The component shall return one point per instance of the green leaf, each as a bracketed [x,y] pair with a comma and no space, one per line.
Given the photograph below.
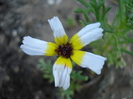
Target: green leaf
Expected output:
[84,3]
[128,52]
[67,93]
[108,9]
[93,4]
[86,16]
[100,4]
[77,75]
[47,70]
[129,40]
[78,10]
[82,23]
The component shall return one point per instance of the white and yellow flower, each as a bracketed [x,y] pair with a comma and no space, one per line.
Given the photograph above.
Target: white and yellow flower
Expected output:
[67,50]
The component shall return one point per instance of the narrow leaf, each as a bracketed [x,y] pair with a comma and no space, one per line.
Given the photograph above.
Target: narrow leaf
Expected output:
[78,10]
[84,3]
[128,52]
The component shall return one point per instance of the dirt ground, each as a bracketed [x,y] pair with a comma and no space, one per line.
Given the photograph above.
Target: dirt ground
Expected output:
[20,75]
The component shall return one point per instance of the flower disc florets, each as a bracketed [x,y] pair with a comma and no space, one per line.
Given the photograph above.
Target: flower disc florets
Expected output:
[65,50]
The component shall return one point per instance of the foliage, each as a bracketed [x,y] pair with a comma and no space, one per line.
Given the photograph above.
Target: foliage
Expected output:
[76,78]
[47,70]
[116,33]
[70,22]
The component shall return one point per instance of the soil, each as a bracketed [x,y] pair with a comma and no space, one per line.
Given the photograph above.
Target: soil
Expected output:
[20,75]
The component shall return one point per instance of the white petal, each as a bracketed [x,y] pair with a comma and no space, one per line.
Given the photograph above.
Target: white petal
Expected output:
[61,72]
[89,28]
[88,34]
[91,36]
[57,27]
[34,43]
[61,76]
[31,51]
[66,78]
[93,62]
[32,46]
[59,32]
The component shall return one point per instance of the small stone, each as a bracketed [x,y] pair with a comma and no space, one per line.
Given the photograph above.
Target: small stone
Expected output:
[50,2]
[14,33]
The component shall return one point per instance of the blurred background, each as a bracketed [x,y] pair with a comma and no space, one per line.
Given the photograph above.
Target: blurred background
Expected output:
[20,74]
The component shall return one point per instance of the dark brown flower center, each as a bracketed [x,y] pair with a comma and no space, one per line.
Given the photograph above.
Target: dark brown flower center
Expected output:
[65,50]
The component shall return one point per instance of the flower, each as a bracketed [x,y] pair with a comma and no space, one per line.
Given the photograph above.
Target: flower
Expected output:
[67,51]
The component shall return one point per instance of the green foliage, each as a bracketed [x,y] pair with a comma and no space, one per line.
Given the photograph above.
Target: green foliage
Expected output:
[116,38]
[75,84]
[66,94]
[47,69]
[70,22]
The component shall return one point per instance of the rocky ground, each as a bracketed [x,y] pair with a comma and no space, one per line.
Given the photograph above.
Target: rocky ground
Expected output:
[20,75]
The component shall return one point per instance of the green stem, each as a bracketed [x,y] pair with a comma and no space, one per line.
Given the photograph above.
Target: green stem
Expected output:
[121,12]
[107,44]
[118,48]
[103,12]
[96,9]
[86,16]
[97,14]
